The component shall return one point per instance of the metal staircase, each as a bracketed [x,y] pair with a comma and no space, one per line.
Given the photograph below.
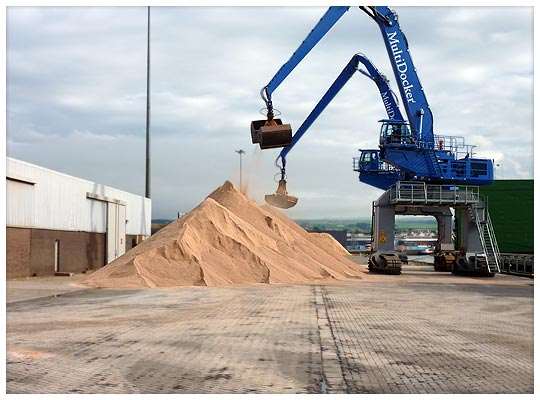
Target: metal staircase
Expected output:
[491,254]
[432,162]
[426,165]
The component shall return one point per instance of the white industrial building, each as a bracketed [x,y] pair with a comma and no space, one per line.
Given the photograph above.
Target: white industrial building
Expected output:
[60,223]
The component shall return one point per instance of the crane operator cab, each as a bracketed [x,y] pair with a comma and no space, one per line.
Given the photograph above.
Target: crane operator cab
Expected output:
[395,133]
[369,161]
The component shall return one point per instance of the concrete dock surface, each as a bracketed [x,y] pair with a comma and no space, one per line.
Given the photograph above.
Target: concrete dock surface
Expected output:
[419,332]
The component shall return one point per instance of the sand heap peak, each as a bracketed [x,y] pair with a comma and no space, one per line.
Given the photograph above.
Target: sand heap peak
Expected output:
[228,239]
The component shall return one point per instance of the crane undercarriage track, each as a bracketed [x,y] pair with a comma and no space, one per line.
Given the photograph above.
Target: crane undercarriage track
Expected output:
[444,262]
[481,269]
[389,264]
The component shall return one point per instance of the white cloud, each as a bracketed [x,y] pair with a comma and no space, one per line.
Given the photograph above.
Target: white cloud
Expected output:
[93,137]
[76,81]
[481,141]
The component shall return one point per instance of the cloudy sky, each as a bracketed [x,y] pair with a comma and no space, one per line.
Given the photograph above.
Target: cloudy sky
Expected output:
[76,95]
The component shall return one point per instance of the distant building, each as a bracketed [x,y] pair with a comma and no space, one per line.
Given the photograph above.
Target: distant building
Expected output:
[358,241]
[60,223]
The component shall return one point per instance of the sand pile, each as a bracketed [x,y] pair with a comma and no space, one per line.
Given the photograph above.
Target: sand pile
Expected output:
[228,239]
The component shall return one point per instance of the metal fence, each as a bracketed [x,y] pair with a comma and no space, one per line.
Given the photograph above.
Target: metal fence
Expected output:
[517,264]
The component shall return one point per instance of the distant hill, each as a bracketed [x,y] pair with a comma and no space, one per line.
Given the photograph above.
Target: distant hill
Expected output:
[161,221]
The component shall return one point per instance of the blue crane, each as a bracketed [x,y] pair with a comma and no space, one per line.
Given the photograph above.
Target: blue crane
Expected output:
[408,149]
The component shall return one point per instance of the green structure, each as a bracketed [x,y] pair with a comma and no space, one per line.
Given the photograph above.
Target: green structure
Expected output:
[511,208]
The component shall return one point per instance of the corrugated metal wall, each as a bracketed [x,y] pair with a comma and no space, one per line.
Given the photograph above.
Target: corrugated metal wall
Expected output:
[52,200]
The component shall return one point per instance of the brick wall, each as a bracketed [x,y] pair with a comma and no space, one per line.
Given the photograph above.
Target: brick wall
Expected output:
[17,252]
[31,251]
[77,251]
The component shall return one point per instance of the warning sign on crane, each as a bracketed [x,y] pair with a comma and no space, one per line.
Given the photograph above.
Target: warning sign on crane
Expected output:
[382,239]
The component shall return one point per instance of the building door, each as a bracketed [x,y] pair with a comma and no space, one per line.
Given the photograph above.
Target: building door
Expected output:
[116,231]
[111,232]
[121,238]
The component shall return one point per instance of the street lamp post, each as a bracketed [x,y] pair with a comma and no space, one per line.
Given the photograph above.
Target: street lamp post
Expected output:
[147,182]
[241,152]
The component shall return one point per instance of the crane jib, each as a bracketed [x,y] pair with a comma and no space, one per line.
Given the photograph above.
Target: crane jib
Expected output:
[390,104]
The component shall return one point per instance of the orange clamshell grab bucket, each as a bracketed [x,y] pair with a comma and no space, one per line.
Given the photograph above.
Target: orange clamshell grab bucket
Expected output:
[281,199]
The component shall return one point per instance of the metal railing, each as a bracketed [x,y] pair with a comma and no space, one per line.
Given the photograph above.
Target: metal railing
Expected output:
[454,144]
[493,239]
[408,192]
[517,264]
[422,193]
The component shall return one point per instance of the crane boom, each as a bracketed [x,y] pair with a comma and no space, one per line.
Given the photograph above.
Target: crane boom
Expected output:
[412,93]
[327,21]
[387,96]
